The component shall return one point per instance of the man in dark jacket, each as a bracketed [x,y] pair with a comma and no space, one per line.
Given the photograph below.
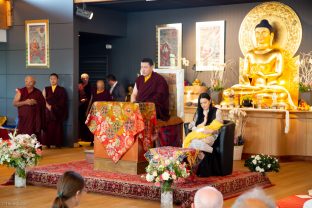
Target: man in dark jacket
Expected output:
[117,91]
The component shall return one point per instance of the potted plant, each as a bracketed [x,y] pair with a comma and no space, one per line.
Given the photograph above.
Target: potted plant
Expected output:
[238,148]
[216,90]
[305,77]
[238,116]
[164,173]
[262,163]
[20,152]
[247,101]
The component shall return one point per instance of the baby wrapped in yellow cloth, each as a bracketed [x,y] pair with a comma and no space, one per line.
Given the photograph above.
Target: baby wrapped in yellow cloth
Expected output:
[198,139]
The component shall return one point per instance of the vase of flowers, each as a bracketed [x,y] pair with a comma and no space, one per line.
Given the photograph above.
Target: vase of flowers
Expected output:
[305,77]
[238,148]
[164,173]
[247,101]
[262,163]
[166,199]
[20,178]
[20,152]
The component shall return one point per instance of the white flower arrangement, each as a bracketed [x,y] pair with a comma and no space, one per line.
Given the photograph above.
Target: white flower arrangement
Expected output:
[19,152]
[166,172]
[262,163]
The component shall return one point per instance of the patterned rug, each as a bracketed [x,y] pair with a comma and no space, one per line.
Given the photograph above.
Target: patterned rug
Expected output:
[134,186]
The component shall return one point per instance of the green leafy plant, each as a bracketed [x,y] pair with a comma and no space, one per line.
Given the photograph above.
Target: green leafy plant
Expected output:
[304,87]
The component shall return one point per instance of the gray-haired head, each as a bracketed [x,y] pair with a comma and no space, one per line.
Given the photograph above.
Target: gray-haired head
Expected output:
[255,198]
[208,197]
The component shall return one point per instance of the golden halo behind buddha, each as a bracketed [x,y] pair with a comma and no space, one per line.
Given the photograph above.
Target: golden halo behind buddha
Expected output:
[285,22]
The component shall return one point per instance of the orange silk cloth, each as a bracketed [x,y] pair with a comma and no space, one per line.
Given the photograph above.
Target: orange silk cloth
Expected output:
[118,124]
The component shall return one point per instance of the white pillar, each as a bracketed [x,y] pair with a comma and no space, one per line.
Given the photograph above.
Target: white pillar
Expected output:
[3,36]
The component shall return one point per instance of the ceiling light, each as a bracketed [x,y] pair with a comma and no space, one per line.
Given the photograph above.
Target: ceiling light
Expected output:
[82,12]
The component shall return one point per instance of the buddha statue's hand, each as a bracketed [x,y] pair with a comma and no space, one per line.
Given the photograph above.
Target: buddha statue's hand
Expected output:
[244,80]
[261,74]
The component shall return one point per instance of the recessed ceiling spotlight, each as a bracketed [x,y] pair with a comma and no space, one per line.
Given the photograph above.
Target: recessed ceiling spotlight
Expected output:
[83,12]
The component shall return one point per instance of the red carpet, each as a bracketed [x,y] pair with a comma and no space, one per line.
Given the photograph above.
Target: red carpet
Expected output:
[133,186]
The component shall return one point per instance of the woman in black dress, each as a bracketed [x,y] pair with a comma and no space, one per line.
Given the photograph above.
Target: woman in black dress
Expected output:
[204,115]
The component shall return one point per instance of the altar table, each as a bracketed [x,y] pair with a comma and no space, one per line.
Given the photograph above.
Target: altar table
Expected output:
[123,132]
[287,135]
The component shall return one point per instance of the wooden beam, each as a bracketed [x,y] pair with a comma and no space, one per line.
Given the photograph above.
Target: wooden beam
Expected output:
[91,1]
[9,8]
[5,14]
[107,1]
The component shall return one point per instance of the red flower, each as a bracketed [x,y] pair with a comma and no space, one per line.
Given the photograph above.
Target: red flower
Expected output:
[38,151]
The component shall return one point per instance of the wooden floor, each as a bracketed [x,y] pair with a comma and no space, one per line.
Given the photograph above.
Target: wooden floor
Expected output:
[294,178]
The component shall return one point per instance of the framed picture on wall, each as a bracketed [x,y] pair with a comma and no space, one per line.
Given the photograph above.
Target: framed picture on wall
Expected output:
[37,43]
[169,46]
[210,45]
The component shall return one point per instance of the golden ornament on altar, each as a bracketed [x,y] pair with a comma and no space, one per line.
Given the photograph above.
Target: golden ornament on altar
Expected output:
[269,36]
[197,82]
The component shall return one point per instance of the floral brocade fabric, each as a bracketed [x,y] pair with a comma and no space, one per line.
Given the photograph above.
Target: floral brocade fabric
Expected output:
[118,124]
[163,153]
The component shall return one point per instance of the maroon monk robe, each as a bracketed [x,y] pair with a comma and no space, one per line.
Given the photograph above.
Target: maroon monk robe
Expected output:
[84,93]
[102,96]
[154,90]
[98,97]
[31,117]
[54,133]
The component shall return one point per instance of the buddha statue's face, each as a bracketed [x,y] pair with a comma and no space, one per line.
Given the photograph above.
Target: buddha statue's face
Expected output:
[263,37]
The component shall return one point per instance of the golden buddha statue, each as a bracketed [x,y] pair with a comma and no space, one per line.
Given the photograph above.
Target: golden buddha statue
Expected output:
[261,73]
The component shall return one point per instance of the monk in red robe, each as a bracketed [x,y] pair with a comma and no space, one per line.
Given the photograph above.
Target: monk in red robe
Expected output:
[85,90]
[152,87]
[31,109]
[56,112]
[99,94]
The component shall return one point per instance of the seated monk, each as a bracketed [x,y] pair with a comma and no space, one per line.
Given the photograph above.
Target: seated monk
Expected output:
[263,66]
[152,87]
[31,108]
[99,94]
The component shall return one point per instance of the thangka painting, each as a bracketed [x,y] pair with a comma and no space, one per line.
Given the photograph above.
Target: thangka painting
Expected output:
[37,43]
[169,46]
[210,45]
[175,81]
